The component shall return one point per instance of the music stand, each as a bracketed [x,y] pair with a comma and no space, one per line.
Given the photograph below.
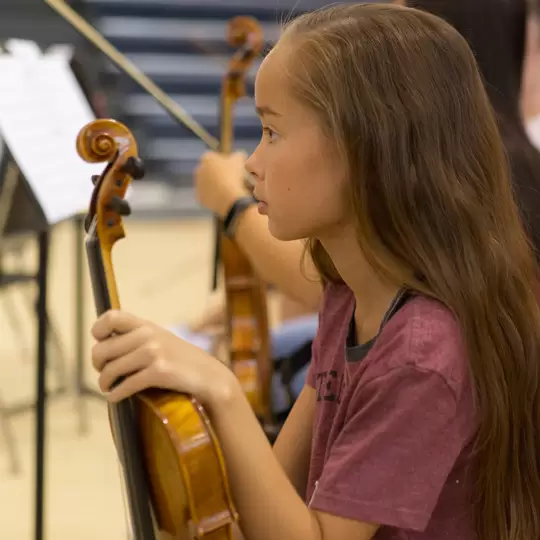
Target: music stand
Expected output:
[42,109]
[26,217]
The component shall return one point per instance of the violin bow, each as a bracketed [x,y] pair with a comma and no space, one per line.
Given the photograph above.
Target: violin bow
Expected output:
[89,32]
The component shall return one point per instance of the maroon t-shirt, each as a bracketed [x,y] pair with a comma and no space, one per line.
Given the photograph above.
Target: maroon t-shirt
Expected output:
[394,420]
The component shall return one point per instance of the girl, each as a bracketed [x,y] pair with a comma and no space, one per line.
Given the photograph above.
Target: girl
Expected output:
[420,414]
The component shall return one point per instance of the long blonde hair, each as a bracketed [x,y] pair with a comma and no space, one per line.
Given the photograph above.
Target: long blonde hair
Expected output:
[400,93]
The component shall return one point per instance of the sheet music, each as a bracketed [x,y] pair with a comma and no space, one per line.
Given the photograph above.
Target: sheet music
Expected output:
[42,109]
[23,48]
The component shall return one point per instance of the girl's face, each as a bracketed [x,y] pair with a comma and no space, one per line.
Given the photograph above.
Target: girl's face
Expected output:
[297,173]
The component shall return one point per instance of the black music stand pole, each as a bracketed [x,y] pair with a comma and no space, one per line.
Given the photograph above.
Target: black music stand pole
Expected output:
[79,322]
[41,386]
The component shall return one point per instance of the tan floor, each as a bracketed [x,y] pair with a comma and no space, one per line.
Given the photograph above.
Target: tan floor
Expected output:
[163,270]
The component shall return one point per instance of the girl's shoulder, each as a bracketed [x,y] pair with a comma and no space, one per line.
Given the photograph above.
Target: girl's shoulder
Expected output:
[425,335]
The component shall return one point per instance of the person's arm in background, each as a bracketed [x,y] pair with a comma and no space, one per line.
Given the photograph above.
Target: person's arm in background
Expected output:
[531,69]
[213,317]
[277,262]
[219,183]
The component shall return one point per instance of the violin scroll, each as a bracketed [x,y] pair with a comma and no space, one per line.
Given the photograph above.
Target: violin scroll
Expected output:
[245,34]
[109,141]
[101,140]
[244,30]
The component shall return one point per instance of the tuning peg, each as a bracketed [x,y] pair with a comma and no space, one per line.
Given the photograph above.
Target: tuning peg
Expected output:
[134,166]
[95,178]
[120,206]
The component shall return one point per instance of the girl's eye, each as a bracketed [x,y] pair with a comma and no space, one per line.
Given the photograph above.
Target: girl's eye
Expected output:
[270,133]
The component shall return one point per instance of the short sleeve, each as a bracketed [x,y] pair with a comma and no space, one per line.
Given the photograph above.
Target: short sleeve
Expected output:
[401,437]
[328,298]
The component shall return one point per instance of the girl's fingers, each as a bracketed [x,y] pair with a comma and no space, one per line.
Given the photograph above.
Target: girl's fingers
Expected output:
[115,322]
[124,366]
[118,345]
[137,382]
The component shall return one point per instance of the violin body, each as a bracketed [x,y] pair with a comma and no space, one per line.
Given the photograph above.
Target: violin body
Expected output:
[182,458]
[185,467]
[173,467]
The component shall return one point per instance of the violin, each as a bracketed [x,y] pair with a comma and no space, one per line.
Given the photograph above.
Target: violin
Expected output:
[245,293]
[173,468]
[248,335]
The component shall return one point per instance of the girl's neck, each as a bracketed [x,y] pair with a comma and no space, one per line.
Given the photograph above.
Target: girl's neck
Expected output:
[373,294]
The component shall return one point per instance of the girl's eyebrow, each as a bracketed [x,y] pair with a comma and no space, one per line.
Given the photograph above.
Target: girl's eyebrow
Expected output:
[262,111]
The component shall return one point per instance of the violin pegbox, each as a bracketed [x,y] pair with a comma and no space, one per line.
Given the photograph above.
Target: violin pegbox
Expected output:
[109,141]
[133,168]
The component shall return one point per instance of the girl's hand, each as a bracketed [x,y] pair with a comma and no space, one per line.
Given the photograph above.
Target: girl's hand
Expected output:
[219,181]
[149,356]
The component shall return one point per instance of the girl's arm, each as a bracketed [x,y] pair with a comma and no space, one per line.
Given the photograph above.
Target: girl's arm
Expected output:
[268,501]
[293,445]
[266,492]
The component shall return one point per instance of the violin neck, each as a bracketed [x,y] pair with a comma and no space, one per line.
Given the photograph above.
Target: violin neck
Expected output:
[123,417]
[102,299]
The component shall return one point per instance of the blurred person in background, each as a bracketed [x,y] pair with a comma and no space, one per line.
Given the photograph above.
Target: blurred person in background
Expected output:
[497,33]
[531,80]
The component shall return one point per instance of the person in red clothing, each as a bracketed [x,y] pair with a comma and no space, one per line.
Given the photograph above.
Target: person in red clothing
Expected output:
[419,418]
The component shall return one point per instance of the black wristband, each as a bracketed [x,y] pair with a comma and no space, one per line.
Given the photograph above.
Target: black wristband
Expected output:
[235,210]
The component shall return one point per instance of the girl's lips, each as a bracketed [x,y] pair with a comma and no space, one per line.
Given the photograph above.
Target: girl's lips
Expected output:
[258,199]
